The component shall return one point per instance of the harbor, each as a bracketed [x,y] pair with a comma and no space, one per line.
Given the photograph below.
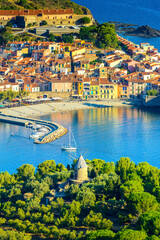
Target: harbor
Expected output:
[54,132]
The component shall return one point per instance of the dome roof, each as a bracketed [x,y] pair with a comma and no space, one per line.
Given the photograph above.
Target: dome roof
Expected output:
[80,163]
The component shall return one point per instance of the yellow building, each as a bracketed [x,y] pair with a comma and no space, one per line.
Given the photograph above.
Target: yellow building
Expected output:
[85,65]
[103,72]
[77,88]
[77,52]
[94,89]
[79,42]
[107,89]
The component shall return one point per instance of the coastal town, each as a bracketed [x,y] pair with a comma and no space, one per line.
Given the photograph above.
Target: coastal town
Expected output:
[88,98]
[79,70]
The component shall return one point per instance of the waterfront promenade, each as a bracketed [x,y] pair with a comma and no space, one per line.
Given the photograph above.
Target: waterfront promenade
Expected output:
[55,130]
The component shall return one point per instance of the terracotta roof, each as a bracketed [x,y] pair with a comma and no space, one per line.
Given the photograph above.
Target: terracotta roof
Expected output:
[35,12]
[94,83]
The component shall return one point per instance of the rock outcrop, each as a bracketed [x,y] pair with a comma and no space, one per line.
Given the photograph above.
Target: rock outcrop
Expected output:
[144,31]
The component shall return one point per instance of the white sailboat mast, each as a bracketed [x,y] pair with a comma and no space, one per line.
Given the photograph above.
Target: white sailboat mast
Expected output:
[69,136]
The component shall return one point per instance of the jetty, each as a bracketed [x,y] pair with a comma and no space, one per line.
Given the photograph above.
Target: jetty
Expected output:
[55,130]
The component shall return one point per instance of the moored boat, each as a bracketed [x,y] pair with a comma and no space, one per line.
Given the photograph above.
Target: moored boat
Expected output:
[70,147]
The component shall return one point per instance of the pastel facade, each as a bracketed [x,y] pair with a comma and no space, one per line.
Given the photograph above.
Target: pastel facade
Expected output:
[61,86]
[77,88]
[136,87]
[122,91]
[94,90]
[107,89]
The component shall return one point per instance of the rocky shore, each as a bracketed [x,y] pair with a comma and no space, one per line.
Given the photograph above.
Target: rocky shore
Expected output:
[128,29]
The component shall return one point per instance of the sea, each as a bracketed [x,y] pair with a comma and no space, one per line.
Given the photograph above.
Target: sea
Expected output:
[139,12]
[103,133]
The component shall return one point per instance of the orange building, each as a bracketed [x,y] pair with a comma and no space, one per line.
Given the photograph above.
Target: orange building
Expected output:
[122,91]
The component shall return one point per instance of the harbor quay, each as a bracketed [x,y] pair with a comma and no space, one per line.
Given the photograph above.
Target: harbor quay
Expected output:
[55,130]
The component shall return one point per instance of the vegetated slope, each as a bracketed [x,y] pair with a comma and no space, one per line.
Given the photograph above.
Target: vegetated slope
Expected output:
[42,4]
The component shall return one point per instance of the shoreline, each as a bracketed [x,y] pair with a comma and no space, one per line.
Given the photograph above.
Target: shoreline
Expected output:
[38,110]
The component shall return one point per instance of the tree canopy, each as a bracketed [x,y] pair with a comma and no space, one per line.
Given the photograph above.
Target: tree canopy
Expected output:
[103,35]
[44,202]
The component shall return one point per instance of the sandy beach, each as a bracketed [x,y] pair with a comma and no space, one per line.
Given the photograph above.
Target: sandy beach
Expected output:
[53,107]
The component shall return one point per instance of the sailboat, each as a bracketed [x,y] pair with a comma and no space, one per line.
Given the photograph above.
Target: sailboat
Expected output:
[70,147]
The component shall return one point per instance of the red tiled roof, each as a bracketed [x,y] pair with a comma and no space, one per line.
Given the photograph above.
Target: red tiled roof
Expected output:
[35,12]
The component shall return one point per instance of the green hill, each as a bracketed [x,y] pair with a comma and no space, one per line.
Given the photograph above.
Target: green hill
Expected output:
[42,4]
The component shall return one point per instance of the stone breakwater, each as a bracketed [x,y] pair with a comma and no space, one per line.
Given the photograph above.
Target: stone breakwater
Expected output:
[52,135]
[55,130]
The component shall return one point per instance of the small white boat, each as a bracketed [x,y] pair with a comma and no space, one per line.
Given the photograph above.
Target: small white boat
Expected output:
[36,126]
[43,129]
[70,147]
[30,125]
[36,135]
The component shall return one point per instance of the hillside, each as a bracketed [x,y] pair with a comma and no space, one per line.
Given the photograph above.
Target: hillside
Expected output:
[42,4]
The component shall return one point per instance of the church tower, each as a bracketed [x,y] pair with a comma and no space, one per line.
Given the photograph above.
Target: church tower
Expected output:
[81,173]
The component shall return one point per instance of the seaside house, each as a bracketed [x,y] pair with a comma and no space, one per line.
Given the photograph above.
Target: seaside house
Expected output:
[136,87]
[107,89]
[61,85]
[86,88]
[94,88]
[122,91]
[77,87]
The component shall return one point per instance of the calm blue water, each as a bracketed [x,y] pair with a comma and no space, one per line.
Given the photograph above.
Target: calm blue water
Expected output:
[108,134]
[140,12]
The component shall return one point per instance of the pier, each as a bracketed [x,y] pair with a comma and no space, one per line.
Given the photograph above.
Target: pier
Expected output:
[56,130]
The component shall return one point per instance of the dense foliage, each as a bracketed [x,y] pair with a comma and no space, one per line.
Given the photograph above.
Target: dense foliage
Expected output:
[85,20]
[152,92]
[121,201]
[103,35]
[10,95]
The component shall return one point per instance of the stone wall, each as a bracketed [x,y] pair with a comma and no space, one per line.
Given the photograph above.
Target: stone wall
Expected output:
[51,20]
[151,101]
[50,94]
[82,174]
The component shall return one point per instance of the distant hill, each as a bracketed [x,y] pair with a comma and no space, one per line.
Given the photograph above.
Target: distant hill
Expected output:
[42,4]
